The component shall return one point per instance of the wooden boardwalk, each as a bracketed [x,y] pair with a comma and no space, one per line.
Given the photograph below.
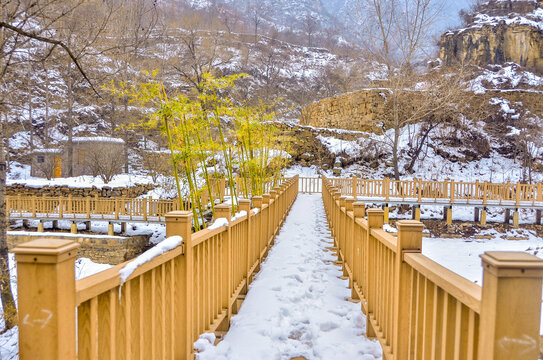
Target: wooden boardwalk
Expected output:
[416,308]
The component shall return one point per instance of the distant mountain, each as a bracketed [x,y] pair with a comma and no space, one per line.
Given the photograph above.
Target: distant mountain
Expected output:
[284,14]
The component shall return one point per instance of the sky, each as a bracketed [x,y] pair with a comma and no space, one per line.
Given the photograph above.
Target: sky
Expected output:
[450,13]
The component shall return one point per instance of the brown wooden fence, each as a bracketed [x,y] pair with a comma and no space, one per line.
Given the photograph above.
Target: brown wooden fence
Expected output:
[418,309]
[120,208]
[163,306]
[438,192]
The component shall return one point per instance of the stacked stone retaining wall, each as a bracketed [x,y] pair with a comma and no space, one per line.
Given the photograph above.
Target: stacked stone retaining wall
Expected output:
[63,191]
[101,249]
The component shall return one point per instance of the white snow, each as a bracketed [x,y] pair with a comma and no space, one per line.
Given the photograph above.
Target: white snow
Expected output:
[86,181]
[337,146]
[218,223]
[239,215]
[168,244]
[97,139]
[297,304]
[62,234]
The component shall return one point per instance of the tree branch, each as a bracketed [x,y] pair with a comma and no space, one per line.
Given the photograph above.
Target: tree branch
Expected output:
[55,43]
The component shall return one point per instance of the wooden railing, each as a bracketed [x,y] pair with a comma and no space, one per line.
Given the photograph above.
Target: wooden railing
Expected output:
[164,304]
[418,309]
[120,208]
[440,192]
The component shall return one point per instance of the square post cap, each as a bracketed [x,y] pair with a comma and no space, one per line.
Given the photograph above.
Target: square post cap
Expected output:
[409,225]
[512,264]
[46,251]
[177,215]
[244,204]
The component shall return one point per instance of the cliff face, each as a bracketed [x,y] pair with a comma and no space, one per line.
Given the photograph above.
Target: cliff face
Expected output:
[497,39]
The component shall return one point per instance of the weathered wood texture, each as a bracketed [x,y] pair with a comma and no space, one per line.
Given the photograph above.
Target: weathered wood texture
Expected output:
[163,306]
[418,309]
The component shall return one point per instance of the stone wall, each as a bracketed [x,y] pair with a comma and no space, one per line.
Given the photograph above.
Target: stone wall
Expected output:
[101,249]
[362,110]
[353,111]
[64,191]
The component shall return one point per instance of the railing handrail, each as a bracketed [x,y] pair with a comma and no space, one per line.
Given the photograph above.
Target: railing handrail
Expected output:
[467,292]
[470,192]
[192,288]
[414,305]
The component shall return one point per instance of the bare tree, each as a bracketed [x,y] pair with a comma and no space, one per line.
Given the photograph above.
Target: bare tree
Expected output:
[105,161]
[23,22]
[257,13]
[310,25]
[396,33]
[201,52]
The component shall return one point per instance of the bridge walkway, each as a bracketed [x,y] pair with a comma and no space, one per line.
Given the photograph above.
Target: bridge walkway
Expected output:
[297,305]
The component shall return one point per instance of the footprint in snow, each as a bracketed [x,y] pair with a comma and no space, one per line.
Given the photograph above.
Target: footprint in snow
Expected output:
[328,326]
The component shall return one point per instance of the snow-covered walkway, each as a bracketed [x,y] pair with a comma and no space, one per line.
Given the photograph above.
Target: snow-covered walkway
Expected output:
[297,307]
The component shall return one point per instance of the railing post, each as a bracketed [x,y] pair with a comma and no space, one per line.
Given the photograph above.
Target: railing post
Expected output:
[145,208]
[452,192]
[60,208]
[69,208]
[87,207]
[539,192]
[117,208]
[222,188]
[46,296]
[258,235]
[245,205]
[386,188]
[517,194]
[354,187]
[225,211]
[349,251]
[485,195]
[266,220]
[510,306]
[409,241]
[180,223]
[359,211]
[375,221]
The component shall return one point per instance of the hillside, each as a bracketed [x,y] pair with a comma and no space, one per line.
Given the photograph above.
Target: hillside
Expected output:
[59,104]
[495,137]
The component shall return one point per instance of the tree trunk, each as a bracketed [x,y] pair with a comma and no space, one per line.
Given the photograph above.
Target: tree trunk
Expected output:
[71,125]
[8,304]
[125,137]
[426,132]
[397,129]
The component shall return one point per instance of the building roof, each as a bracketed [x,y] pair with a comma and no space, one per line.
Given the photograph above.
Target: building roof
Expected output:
[97,139]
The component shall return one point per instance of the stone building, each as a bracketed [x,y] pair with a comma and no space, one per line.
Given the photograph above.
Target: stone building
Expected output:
[87,151]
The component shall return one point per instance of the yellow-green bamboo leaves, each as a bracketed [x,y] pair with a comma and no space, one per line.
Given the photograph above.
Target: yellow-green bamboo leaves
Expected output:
[211,136]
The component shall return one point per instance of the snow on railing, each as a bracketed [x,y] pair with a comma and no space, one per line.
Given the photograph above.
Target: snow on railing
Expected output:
[414,305]
[157,305]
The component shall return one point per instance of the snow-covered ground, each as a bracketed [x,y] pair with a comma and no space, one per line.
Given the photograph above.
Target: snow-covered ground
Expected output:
[155,231]
[120,180]
[296,306]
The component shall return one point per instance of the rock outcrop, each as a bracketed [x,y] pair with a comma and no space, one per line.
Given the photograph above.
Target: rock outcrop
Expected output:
[504,32]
